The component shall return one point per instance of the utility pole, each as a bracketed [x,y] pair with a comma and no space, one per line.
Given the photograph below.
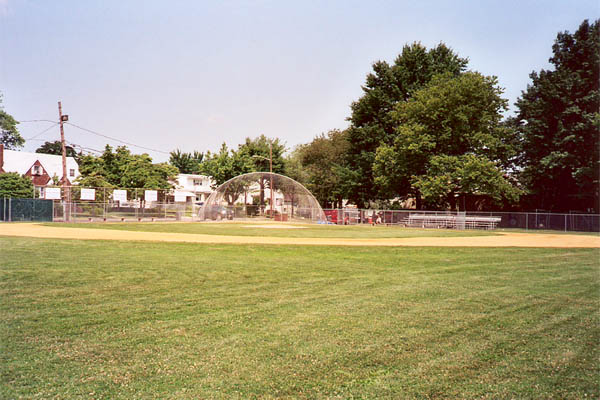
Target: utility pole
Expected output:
[66,189]
[271,175]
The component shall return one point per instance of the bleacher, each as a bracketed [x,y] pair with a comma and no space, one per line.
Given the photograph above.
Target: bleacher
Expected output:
[451,221]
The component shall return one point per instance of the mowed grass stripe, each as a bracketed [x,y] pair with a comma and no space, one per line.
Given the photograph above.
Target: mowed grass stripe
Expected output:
[110,319]
[297,230]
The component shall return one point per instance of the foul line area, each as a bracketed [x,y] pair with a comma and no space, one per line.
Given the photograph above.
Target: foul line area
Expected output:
[504,239]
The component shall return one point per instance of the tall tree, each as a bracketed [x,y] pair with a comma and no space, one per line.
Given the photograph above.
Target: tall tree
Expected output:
[321,161]
[121,168]
[9,134]
[186,163]
[559,120]
[450,143]
[371,121]
[56,149]
[225,165]
[261,151]
[258,151]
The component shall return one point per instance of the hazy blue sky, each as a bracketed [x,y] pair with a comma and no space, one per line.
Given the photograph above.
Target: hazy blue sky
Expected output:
[192,74]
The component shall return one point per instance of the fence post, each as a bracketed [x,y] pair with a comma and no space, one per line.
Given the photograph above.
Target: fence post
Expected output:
[526,221]
[136,203]
[9,209]
[565,222]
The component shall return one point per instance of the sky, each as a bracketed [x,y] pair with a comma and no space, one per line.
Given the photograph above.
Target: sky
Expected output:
[191,75]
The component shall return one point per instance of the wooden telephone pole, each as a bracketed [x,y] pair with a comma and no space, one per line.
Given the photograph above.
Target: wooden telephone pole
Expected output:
[271,175]
[64,181]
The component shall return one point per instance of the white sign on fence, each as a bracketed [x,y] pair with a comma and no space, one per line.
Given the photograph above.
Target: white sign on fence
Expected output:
[150,195]
[88,194]
[180,197]
[52,193]
[120,195]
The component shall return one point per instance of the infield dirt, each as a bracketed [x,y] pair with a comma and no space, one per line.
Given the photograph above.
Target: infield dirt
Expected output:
[504,239]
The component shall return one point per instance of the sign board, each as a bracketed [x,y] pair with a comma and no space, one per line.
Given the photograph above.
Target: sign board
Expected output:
[150,195]
[180,197]
[88,194]
[120,195]
[52,193]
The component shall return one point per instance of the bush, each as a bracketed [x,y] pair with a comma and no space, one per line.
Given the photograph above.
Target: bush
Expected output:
[15,186]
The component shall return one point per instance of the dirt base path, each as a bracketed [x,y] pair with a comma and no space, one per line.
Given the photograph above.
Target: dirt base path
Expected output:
[502,240]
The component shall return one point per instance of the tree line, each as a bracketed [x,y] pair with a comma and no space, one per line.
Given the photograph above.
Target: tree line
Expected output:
[427,133]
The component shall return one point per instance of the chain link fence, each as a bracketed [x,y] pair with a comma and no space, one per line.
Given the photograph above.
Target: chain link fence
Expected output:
[572,222]
[26,210]
[79,204]
[85,204]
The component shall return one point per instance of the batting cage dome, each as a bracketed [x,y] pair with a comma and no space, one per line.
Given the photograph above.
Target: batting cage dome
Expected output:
[262,195]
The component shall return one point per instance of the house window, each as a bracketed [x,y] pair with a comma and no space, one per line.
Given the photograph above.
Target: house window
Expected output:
[36,170]
[197,182]
[71,172]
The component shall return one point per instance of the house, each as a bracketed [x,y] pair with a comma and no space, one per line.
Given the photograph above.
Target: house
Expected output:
[41,168]
[195,188]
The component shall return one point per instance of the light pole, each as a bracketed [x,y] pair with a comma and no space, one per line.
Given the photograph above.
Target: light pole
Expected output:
[270,174]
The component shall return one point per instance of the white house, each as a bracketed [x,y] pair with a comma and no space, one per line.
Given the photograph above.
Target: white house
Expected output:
[195,188]
[41,168]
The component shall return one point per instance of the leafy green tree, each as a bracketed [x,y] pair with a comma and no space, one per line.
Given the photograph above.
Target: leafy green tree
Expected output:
[114,164]
[449,180]
[94,180]
[445,132]
[559,121]
[225,165]
[9,134]
[186,163]
[91,165]
[16,186]
[372,123]
[140,172]
[294,168]
[260,150]
[121,168]
[321,161]
[56,149]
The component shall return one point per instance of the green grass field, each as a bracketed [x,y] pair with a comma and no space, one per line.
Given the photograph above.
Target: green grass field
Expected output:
[110,320]
[303,230]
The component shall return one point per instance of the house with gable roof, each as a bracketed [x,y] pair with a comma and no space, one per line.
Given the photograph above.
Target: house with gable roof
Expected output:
[41,168]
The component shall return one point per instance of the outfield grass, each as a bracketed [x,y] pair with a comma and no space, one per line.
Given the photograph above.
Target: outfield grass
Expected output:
[302,230]
[96,319]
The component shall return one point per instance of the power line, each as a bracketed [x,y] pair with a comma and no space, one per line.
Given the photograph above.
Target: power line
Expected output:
[38,120]
[87,149]
[116,140]
[44,131]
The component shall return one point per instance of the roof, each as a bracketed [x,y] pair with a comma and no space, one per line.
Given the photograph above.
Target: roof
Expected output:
[193,176]
[186,193]
[21,162]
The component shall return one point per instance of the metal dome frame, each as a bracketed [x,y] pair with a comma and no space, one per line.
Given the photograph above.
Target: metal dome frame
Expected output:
[297,202]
